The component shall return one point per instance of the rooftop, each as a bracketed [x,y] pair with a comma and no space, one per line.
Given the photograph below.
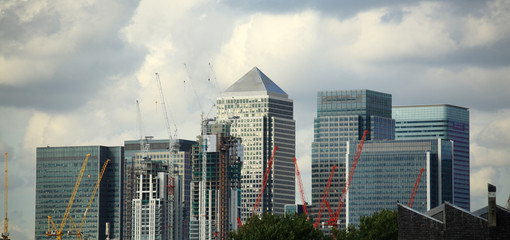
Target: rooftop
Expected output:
[254,81]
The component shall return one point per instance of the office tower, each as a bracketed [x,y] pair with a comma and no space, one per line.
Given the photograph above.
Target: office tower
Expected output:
[343,116]
[157,150]
[57,169]
[261,114]
[386,173]
[216,186]
[440,121]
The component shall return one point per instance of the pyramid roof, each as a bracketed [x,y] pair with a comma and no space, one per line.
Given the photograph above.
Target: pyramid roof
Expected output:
[255,81]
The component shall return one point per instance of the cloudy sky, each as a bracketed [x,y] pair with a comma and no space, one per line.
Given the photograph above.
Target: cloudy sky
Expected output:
[70,71]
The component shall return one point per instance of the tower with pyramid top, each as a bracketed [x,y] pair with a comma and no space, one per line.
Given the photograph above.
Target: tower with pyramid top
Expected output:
[261,113]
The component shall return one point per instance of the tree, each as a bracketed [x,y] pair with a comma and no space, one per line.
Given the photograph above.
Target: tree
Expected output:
[273,227]
[381,225]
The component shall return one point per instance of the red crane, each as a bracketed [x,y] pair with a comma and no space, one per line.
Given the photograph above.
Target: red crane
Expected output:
[264,181]
[326,191]
[332,221]
[239,222]
[300,184]
[415,188]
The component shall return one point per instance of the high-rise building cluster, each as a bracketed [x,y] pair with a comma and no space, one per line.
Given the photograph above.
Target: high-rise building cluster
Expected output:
[203,188]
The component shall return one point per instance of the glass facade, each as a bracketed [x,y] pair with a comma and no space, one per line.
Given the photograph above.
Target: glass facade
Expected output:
[57,169]
[440,121]
[387,171]
[343,116]
[262,116]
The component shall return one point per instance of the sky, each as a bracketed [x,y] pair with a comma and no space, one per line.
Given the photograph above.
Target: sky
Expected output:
[71,71]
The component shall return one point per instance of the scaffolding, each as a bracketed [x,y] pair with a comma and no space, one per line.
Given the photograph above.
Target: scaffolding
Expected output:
[216,180]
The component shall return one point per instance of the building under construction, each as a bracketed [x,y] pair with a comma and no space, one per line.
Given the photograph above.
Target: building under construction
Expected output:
[150,205]
[137,164]
[216,202]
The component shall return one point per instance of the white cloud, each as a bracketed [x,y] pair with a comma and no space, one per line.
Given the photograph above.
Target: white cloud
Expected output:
[39,50]
[489,155]
[488,28]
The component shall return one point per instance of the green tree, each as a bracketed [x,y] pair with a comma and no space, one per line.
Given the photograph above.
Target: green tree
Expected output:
[381,225]
[273,227]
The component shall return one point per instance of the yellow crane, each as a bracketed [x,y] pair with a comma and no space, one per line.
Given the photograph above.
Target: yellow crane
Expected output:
[5,234]
[77,231]
[52,229]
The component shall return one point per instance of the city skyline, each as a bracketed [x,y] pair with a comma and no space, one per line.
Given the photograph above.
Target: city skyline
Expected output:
[65,83]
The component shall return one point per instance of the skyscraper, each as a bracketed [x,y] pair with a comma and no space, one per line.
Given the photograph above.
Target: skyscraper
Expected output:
[261,114]
[387,171]
[57,169]
[440,121]
[343,116]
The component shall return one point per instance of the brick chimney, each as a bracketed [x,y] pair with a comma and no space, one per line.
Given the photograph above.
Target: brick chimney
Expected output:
[491,215]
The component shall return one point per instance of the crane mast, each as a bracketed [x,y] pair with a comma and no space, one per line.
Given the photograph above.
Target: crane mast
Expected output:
[171,150]
[52,231]
[332,221]
[324,196]
[78,232]
[264,181]
[301,191]
[5,234]
[415,188]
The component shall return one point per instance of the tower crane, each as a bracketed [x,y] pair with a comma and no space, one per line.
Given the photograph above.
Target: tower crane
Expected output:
[332,221]
[301,191]
[172,148]
[264,181]
[415,188]
[324,196]
[77,231]
[52,229]
[144,147]
[5,234]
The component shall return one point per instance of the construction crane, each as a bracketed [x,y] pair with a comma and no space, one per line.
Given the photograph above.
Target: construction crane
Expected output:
[264,181]
[172,148]
[300,185]
[77,231]
[332,221]
[415,188]
[144,147]
[324,196]
[5,234]
[52,229]
[239,223]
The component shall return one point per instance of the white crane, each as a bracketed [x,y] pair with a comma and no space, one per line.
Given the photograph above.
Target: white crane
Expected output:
[144,147]
[172,149]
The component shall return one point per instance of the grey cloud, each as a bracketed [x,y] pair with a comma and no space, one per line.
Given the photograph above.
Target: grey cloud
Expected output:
[76,76]
[75,81]
[345,9]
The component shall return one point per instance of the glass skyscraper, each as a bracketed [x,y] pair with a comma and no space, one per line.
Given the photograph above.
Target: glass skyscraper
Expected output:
[387,171]
[261,114]
[343,116]
[440,121]
[57,169]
